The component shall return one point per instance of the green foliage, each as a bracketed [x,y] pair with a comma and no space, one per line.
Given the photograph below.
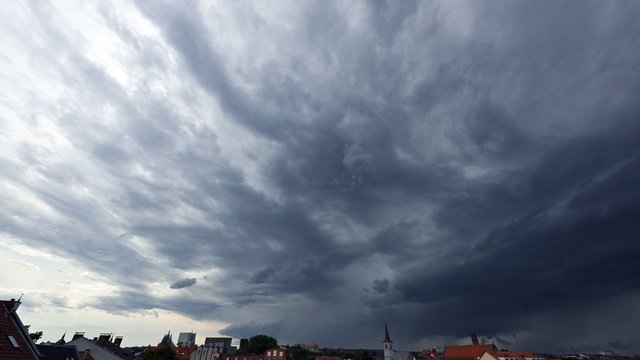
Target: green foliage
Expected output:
[297,353]
[363,355]
[349,354]
[35,336]
[164,353]
[260,343]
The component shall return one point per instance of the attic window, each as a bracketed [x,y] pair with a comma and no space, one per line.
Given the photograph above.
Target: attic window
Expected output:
[13,341]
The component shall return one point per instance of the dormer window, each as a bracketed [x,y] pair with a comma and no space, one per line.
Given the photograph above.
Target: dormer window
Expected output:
[13,341]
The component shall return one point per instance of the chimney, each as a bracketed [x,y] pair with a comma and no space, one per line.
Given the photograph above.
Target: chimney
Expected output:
[244,345]
[118,341]
[13,306]
[103,339]
[474,339]
[77,335]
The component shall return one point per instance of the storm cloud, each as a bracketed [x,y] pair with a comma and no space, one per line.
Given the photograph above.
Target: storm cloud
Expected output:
[183,283]
[321,167]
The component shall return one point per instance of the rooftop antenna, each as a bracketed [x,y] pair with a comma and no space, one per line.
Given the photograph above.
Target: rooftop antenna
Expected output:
[20,298]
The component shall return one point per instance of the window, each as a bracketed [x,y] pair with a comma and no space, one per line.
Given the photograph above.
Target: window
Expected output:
[13,341]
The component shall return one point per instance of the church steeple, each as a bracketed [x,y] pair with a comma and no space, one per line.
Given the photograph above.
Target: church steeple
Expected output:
[388,347]
[387,339]
[61,341]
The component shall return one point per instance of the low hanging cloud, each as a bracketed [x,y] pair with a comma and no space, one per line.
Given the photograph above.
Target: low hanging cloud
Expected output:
[183,283]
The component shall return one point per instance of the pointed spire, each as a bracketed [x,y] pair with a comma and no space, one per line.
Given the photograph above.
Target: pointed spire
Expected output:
[387,339]
[61,341]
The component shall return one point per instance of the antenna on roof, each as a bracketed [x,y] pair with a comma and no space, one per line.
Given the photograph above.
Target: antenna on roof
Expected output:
[20,298]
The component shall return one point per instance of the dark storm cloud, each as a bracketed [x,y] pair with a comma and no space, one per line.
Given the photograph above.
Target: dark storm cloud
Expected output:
[245,331]
[452,168]
[183,283]
[126,301]
[262,275]
[380,285]
[576,250]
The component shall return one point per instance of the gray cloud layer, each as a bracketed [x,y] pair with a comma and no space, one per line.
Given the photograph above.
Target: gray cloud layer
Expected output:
[449,167]
[183,283]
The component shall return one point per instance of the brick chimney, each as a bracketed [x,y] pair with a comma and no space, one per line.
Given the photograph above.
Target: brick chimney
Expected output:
[78,335]
[12,306]
[244,345]
[103,339]
[118,341]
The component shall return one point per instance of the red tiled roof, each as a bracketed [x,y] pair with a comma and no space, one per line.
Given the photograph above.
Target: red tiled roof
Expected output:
[10,325]
[465,352]
[184,352]
[429,354]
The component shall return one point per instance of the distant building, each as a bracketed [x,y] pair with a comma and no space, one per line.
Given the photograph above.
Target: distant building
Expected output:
[429,354]
[15,343]
[270,354]
[58,352]
[244,346]
[311,347]
[275,354]
[389,352]
[467,352]
[182,352]
[214,348]
[103,347]
[187,339]
[510,355]
[237,357]
[167,340]
[221,345]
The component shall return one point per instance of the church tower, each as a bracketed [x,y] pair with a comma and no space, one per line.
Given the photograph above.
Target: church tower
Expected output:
[388,347]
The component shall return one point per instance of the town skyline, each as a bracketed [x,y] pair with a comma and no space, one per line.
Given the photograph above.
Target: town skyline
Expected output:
[20,342]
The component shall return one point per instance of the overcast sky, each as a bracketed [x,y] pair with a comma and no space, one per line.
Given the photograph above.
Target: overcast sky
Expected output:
[311,169]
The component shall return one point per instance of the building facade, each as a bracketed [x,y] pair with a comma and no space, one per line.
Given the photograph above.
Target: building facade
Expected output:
[15,342]
[389,352]
[187,339]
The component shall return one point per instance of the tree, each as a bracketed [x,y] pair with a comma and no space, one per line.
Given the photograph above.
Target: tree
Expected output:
[260,343]
[297,353]
[35,336]
[163,353]
[364,355]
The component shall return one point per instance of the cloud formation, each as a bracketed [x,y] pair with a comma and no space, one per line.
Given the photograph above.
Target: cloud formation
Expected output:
[183,283]
[451,167]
